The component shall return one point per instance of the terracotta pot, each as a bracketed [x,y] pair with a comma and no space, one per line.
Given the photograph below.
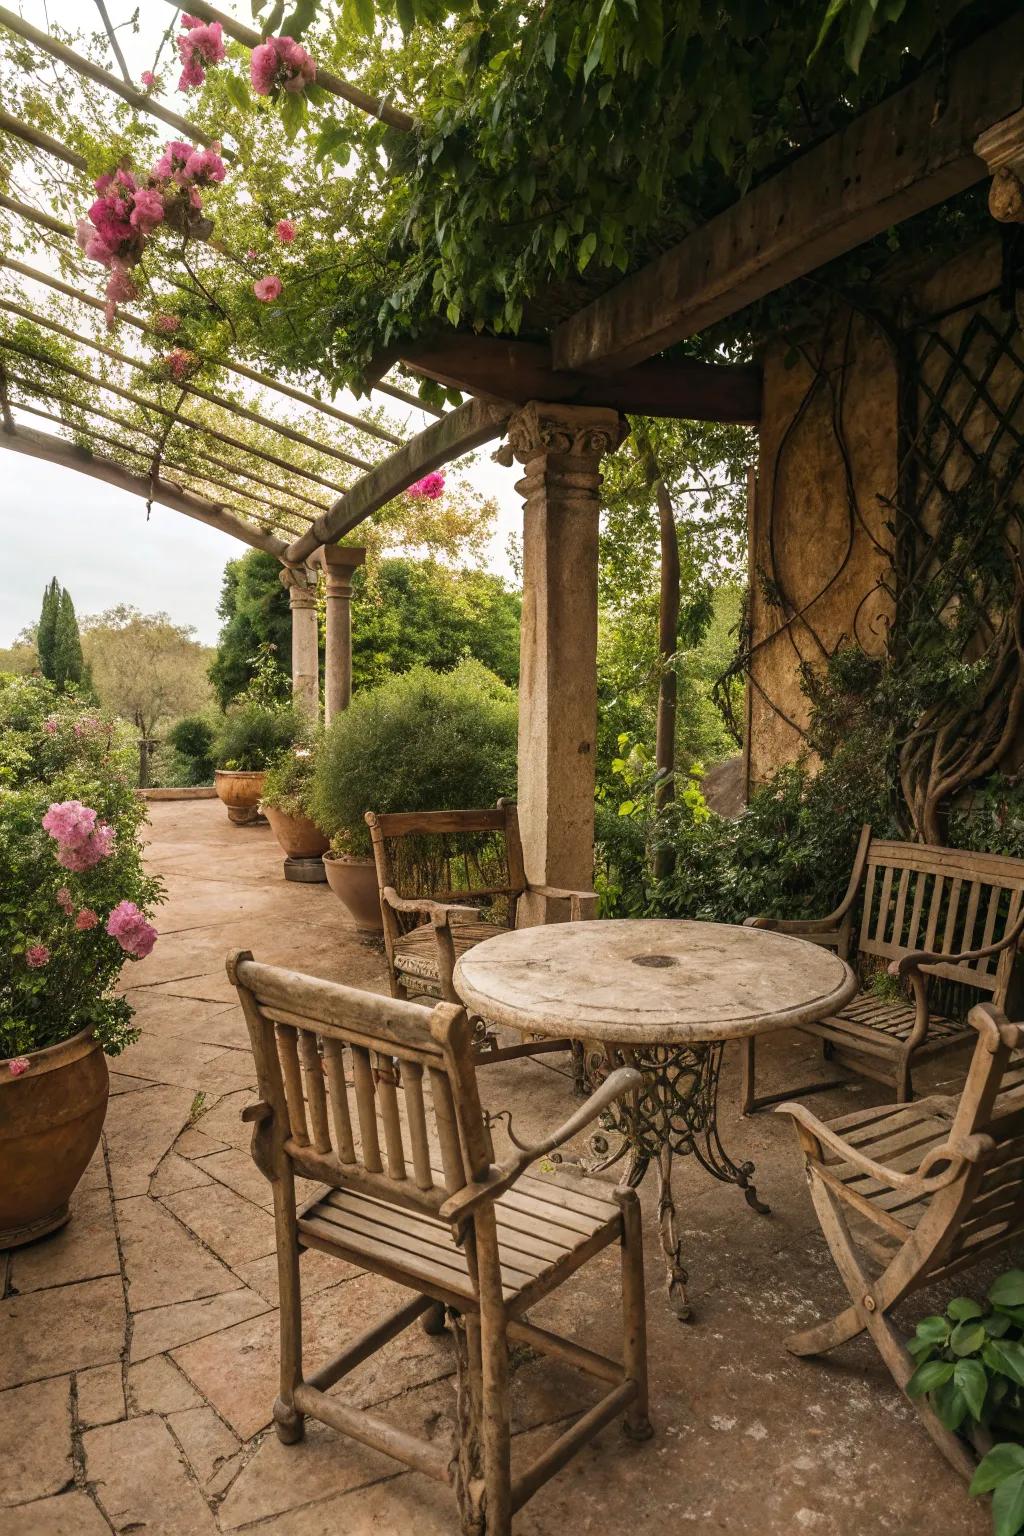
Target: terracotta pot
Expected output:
[50,1123]
[299,837]
[354,882]
[240,792]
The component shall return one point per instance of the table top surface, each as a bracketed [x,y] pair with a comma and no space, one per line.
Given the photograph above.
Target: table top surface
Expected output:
[654,981]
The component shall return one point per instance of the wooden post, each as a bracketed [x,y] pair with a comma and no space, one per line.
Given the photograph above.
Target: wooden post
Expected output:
[561,447]
[339,563]
[301,583]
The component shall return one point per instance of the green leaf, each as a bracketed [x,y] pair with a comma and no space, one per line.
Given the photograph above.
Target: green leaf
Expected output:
[1007,1356]
[962,1308]
[858,31]
[836,7]
[918,1348]
[453,312]
[929,1377]
[1008,1506]
[971,1381]
[585,250]
[935,1329]
[1003,1461]
[966,1338]
[997,1324]
[237,91]
[950,1405]
[1007,1290]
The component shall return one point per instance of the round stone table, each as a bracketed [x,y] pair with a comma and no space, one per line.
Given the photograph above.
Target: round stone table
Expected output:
[661,995]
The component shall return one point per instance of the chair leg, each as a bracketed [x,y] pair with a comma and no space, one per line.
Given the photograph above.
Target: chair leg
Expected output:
[636,1424]
[496,1429]
[825,1336]
[748,1057]
[904,1082]
[433,1320]
[289,1423]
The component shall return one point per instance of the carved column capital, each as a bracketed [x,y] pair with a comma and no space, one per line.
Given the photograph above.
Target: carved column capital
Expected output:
[579,434]
[1002,149]
[300,582]
[340,562]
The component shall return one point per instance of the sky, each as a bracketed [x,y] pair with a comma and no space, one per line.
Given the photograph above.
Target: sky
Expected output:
[95,539]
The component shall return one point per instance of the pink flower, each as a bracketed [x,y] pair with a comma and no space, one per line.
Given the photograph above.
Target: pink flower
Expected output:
[80,842]
[171,165]
[127,925]
[148,210]
[280,61]
[285,231]
[120,286]
[65,901]
[205,165]
[86,919]
[18,1066]
[51,725]
[200,43]
[429,488]
[36,956]
[179,363]
[251,254]
[148,78]
[267,289]
[167,324]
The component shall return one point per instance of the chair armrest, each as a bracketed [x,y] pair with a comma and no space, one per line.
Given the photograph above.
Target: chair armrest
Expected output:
[919,959]
[576,899]
[919,1182]
[440,913]
[462,1205]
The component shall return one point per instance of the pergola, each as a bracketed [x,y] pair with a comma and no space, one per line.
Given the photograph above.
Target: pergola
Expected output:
[559,404]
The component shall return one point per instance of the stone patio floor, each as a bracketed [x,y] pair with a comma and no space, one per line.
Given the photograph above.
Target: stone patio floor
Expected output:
[138,1345]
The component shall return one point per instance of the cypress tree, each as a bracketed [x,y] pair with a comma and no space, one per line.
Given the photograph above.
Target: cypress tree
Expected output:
[67,644]
[47,632]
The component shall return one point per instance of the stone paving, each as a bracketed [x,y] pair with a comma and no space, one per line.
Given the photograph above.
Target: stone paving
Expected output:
[138,1345]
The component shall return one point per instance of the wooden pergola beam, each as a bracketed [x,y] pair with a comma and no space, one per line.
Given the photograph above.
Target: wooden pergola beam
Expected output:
[47,220]
[894,161]
[82,66]
[522,371]
[374,106]
[39,140]
[55,450]
[460,431]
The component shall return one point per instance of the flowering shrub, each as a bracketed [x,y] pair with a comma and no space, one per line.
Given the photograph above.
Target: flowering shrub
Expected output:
[280,63]
[75,900]
[127,212]
[429,488]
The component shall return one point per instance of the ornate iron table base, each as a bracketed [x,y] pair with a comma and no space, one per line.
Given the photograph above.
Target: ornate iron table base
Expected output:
[675,1115]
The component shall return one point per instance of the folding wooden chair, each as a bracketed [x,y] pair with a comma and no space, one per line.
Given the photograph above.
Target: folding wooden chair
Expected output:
[414,1195]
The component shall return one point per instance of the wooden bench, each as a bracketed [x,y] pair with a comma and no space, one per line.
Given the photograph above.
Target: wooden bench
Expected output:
[413,1194]
[932,915]
[449,880]
[919,1192]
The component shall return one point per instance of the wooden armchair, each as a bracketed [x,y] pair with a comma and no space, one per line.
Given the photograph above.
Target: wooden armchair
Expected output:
[917,1193]
[934,915]
[449,880]
[413,1194]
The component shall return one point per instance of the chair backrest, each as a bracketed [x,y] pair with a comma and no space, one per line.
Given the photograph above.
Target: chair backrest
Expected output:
[473,856]
[413,1102]
[946,900]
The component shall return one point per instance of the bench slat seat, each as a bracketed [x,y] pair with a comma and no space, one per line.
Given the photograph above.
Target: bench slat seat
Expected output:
[416,962]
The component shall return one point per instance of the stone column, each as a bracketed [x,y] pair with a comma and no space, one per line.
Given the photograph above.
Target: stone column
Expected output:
[561,448]
[339,563]
[301,583]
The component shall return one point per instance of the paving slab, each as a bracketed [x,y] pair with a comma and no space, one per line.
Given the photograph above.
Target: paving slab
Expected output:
[235,1229]
[100,1395]
[142,1482]
[159,1057]
[70,1514]
[163,1262]
[157,1386]
[166,1328]
[237,1170]
[319,1272]
[84,1249]
[194,1143]
[69,1328]
[205,1439]
[278,1478]
[223,1121]
[176,1173]
[35,1441]
[140,1128]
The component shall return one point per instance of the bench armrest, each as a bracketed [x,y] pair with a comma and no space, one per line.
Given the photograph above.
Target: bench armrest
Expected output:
[919,1182]
[440,913]
[459,1207]
[577,899]
[920,959]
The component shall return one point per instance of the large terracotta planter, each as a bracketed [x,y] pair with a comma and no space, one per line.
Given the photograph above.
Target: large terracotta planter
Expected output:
[299,837]
[354,882]
[50,1123]
[240,791]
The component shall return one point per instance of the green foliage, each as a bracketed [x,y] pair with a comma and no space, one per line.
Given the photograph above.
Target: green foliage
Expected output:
[289,782]
[251,736]
[191,743]
[255,613]
[51,750]
[991,819]
[425,741]
[46,633]
[68,666]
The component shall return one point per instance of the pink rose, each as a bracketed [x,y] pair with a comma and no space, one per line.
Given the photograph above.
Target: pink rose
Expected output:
[280,61]
[120,286]
[36,956]
[69,822]
[18,1066]
[179,363]
[429,488]
[267,289]
[127,925]
[205,165]
[285,231]
[167,324]
[148,210]
[148,78]
[200,43]
[86,919]
[65,901]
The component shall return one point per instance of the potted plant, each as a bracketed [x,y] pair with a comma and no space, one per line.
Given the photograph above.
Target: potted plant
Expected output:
[74,904]
[423,741]
[286,803]
[249,739]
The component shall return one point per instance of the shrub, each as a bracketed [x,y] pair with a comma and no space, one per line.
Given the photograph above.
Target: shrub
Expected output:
[59,961]
[289,783]
[424,741]
[252,736]
[190,741]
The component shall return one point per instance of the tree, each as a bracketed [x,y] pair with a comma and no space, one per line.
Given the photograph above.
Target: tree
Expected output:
[254,611]
[47,631]
[68,663]
[146,668]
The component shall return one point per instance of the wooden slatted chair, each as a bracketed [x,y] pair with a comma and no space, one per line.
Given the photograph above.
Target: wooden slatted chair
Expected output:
[413,1194]
[934,914]
[448,880]
[917,1193]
